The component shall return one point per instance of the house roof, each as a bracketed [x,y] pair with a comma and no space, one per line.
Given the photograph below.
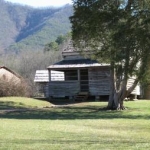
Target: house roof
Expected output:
[70,50]
[78,63]
[17,75]
[43,76]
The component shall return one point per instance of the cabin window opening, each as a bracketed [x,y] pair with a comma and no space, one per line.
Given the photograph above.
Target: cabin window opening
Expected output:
[71,75]
[84,80]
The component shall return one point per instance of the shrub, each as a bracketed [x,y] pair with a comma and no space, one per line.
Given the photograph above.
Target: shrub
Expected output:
[14,88]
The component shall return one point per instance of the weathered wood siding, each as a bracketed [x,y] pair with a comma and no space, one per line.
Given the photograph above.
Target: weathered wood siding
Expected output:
[42,89]
[136,91]
[96,81]
[147,92]
[46,90]
[64,88]
[99,83]
[42,81]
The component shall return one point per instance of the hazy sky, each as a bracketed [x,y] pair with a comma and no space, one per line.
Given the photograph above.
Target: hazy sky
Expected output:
[42,3]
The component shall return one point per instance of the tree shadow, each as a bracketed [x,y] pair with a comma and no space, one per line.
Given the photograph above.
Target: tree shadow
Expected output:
[10,105]
[66,112]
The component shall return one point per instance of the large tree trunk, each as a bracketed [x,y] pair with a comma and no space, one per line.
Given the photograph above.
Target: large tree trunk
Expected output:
[119,93]
[116,96]
[116,102]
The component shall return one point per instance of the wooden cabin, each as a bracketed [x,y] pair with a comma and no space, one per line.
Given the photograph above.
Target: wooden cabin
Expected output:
[81,75]
[41,80]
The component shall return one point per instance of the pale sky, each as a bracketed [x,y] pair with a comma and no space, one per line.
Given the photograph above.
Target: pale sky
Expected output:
[42,3]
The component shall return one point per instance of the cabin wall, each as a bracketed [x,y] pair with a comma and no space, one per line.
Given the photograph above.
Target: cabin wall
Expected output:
[99,81]
[71,75]
[136,91]
[42,89]
[64,88]
[95,80]
[146,92]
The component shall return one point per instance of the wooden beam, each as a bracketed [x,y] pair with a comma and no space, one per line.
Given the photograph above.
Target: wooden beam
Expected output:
[79,78]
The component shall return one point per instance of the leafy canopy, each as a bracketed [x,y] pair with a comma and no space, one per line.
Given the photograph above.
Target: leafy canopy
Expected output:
[60,40]
[117,32]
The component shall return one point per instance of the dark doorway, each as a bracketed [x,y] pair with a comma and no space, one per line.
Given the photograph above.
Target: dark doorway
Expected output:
[84,80]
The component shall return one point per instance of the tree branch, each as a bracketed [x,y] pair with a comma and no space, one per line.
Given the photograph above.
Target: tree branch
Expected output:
[129,5]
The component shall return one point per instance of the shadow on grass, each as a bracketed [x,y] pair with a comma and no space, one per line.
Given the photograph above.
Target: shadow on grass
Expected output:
[10,105]
[68,112]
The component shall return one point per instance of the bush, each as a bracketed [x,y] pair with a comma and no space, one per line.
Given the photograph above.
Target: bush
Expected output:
[14,88]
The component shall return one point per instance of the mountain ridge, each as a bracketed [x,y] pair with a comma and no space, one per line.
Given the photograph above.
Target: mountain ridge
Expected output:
[23,27]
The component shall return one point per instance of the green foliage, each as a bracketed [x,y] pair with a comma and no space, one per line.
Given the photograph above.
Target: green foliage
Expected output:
[117,32]
[58,43]
[60,39]
[51,46]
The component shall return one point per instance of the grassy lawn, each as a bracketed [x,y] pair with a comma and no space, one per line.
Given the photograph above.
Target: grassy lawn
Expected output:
[28,124]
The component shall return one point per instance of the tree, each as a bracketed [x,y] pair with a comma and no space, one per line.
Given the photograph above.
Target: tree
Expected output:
[60,39]
[59,43]
[51,46]
[117,32]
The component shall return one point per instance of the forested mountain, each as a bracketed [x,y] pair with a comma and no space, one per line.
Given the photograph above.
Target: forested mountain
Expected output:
[27,28]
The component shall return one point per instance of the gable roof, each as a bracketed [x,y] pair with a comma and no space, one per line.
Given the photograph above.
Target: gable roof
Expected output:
[43,76]
[77,63]
[14,73]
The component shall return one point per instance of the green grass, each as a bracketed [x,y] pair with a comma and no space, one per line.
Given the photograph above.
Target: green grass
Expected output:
[21,102]
[34,125]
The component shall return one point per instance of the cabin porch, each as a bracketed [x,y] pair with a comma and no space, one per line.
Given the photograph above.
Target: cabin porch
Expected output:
[71,83]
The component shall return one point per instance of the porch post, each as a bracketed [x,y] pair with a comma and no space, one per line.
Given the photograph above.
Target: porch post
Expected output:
[49,73]
[79,79]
